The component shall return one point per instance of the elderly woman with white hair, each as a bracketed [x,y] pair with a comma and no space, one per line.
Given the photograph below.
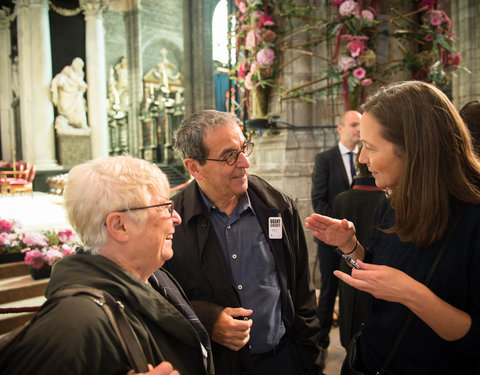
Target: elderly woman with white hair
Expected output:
[120,209]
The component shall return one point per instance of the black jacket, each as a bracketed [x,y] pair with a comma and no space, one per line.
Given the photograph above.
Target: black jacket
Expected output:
[74,335]
[199,267]
[329,179]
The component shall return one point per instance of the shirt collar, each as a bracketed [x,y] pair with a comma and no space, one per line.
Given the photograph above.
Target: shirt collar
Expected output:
[243,204]
[344,150]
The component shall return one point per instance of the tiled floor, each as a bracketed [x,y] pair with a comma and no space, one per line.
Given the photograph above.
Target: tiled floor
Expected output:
[45,211]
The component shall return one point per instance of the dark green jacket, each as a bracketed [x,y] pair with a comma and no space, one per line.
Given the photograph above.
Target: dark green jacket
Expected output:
[199,267]
[74,335]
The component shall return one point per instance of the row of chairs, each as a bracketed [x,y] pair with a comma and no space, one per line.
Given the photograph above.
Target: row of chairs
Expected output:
[18,181]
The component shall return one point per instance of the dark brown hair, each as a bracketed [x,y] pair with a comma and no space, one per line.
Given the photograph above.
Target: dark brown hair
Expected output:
[429,134]
[470,113]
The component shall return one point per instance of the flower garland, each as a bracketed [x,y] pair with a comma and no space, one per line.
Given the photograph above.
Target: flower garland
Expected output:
[424,36]
[255,48]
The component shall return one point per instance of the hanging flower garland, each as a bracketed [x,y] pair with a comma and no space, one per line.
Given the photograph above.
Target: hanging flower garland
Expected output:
[424,36]
[256,53]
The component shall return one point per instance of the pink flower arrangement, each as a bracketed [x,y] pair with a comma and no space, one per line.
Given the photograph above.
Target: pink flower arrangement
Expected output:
[256,56]
[44,249]
[10,236]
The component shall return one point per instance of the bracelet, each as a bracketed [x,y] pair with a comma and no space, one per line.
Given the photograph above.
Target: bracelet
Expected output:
[355,248]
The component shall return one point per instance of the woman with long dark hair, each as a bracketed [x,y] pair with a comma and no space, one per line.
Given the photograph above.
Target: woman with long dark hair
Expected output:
[419,149]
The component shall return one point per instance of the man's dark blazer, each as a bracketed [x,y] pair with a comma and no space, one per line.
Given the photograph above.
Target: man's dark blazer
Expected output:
[329,179]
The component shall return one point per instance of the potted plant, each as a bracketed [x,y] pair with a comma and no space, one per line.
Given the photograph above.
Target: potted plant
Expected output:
[45,248]
[10,241]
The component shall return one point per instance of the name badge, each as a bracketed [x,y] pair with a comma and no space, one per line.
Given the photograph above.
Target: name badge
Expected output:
[275,228]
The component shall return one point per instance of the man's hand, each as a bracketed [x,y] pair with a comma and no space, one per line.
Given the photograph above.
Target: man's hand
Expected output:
[164,368]
[230,331]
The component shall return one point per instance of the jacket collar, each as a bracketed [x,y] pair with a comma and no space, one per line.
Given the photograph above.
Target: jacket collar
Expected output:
[267,193]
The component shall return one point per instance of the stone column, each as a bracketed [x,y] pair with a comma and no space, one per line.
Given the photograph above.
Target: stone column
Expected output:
[135,74]
[466,86]
[96,76]
[6,116]
[199,89]
[35,75]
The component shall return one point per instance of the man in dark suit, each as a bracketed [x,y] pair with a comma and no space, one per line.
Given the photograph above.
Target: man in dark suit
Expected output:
[332,174]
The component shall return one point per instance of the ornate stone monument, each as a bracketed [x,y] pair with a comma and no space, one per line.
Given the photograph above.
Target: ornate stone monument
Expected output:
[68,95]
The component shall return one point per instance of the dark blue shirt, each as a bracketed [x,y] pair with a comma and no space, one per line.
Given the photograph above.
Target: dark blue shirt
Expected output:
[254,276]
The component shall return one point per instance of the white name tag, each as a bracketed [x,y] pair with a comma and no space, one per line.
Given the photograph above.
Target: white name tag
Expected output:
[275,228]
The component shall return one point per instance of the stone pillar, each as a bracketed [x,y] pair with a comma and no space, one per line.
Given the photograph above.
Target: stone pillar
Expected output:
[96,76]
[35,75]
[135,74]
[466,86]
[199,89]
[6,115]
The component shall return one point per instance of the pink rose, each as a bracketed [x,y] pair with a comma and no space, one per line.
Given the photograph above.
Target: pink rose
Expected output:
[242,7]
[266,56]
[252,39]
[348,8]
[5,226]
[356,47]
[266,20]
[435,17]
[454,59]
[35,239]
[242,70]
[248,81]
[359,73]
[368,15]
[366,82]
[429,37]
[34,258]
[66,235]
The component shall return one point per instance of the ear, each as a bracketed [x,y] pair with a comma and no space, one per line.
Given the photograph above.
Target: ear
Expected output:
[339,129]
[117,227]
[193,167]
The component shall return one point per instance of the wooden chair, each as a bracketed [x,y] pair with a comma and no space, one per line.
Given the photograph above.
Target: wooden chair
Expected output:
[18,181]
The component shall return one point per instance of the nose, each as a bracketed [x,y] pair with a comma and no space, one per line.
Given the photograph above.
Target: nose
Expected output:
[177,220]
[363,158]
[242,161]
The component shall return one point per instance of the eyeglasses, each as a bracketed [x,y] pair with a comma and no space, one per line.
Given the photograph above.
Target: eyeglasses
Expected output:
[232,157]
[169,203]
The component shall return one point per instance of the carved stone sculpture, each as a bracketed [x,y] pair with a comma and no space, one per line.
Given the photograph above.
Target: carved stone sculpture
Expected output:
[68,88]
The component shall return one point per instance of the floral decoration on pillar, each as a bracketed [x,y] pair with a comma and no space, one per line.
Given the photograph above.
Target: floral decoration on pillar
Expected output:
[256,54]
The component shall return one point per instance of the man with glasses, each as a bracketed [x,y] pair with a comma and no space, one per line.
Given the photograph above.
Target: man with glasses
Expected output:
[241,255]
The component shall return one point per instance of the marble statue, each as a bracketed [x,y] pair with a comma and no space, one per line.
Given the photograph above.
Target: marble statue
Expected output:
[68,88]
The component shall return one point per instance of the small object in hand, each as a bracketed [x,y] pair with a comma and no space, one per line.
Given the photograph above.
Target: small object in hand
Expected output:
[347,258]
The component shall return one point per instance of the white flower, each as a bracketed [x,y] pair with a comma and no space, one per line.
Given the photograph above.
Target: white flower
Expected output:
[346,62]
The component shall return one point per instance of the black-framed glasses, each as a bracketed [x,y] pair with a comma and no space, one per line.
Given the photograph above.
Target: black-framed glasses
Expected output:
[232,157]
[169,203]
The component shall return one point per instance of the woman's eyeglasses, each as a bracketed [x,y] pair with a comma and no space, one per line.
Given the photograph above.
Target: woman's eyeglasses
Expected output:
[169,203]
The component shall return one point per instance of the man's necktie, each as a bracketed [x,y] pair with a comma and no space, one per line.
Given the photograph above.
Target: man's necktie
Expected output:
[352,164]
